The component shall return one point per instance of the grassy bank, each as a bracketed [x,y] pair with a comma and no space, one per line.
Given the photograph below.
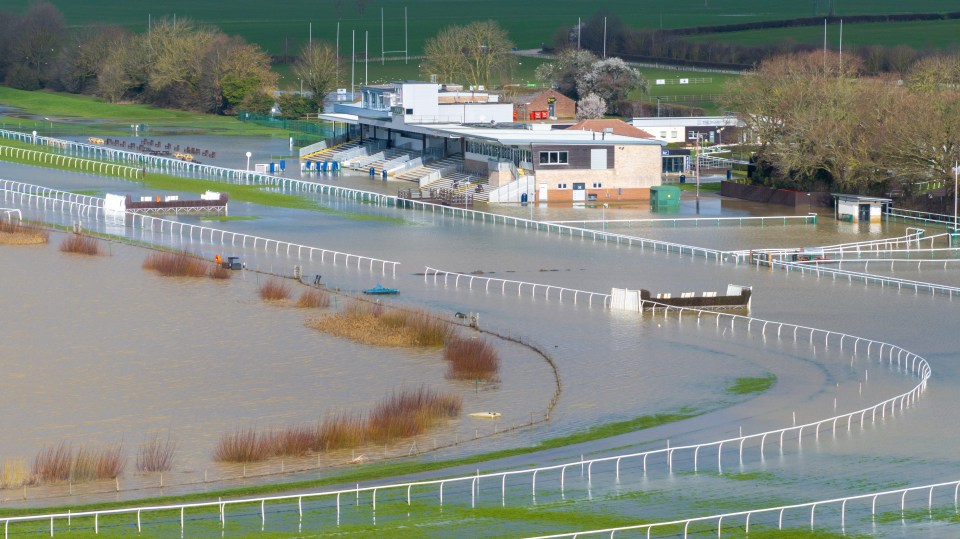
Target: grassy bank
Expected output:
[748,386]
[84,115]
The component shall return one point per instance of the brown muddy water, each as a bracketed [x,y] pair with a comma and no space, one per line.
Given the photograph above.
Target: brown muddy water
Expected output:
[101,351]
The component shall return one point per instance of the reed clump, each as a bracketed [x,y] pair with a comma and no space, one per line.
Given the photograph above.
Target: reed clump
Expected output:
[17,233]
[156,453]
[313,299]
[219,272]
[376,325]
[15,473]
[179,264]
[340,431]
[291,441]
[242,446]
[472,359]
[274,290]
[81,245]
[400,415]
[64,463]
[410,413]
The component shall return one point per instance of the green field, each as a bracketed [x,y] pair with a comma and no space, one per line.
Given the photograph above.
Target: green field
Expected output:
[916,34]
[529,23]
[72,114]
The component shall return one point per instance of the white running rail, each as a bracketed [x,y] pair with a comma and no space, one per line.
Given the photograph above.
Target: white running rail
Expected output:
[572,293]
[881,351]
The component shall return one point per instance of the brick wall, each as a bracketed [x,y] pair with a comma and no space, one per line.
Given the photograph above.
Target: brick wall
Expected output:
[564,107]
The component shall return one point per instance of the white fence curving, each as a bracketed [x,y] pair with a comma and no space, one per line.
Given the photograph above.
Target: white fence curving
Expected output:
[83,165]
[502,284]
[868,278]
[10,212]
[810,218]
[744,517]
[743,446]
[83,205]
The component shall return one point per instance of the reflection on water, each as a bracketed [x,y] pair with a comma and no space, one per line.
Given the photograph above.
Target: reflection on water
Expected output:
[202,358]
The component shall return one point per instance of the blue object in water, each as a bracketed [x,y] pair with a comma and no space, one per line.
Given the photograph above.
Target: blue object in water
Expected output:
[379,290]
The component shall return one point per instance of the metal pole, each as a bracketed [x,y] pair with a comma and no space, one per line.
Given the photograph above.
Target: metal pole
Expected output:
[579,31]
[353,60]
[406,38]
[338,55]
[955,196]
[699,141]
[604,37]
[366,56]
[382,46]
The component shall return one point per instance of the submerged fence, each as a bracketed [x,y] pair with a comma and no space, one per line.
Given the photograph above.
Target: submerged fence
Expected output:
[739,447]
[88,206]
[742,519]
[545,289]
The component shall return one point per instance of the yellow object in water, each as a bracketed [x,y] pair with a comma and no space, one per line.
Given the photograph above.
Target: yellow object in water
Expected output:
[486,415]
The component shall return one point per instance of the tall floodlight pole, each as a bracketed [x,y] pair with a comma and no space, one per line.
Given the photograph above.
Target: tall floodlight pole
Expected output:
[824,45]
[366,56]
[604,37]
[383,54]
[337,70]
[579,31]
[310,37]
[353,60]
[406,38]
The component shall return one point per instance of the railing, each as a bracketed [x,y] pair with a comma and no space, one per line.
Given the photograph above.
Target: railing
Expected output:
[11,211]
[892,282]
[84,165]
[396,161]
[365,149]
[180,229]
[889,353]
[921,216]
[810,218]
[779,512]
[596,235]
[313,148]
[486,281]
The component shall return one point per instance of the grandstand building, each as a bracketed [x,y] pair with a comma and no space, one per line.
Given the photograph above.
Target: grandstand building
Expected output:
[439,136]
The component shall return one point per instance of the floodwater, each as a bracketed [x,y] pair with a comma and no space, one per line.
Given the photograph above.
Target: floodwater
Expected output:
[101,351]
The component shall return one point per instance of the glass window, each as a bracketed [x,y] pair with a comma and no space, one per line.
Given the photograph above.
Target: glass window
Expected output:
[553,158]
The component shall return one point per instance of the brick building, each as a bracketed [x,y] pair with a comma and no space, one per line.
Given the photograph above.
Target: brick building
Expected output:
[549,104]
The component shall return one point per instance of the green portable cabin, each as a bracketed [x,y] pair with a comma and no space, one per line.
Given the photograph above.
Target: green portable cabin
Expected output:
[664,197]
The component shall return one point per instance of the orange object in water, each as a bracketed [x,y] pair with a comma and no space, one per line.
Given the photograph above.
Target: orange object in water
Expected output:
[217,259]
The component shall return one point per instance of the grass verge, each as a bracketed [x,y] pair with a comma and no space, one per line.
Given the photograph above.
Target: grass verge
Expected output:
[747,386]
[374,324]
[19,233]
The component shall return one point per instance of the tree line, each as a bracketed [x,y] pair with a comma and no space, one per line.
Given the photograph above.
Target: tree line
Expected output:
[822,124]
[176,63]
[675,45]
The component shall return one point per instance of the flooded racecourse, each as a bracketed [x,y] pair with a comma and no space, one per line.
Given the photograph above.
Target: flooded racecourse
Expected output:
[99,351]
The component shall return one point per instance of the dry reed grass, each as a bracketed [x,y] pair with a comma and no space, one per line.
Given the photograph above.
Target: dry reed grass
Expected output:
[81,245]
[410,413]
[16,233]
[472,359]
[15,473]
[156,453]
[274,290]
[373,324]
[219,272]
[313,299]
[340,431]
[178,264]
[242,446]
[292,441]
[401,415]
[53,463]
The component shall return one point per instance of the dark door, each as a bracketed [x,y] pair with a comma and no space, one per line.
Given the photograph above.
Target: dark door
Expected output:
[865,212]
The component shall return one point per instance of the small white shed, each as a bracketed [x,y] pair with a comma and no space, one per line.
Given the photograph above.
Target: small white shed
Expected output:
[856,208]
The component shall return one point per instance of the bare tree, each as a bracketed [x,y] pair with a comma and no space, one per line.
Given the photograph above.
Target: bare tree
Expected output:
[35,43]
[564,72]
[474,53]
[317,67]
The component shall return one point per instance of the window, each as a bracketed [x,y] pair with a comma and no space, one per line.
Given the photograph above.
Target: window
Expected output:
[561,186]
[597,185]
[663,134]
[553,158]
[673,134]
